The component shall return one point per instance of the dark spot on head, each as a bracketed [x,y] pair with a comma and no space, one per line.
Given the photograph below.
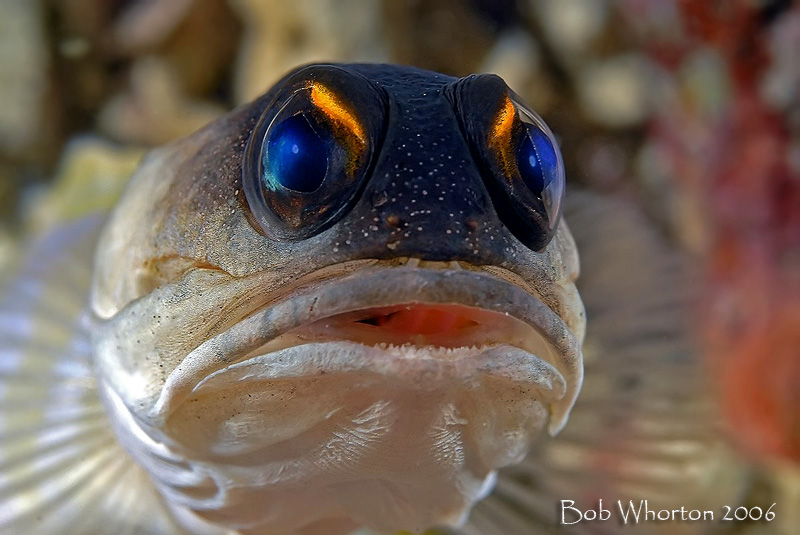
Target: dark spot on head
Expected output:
[379,198]
[393,221]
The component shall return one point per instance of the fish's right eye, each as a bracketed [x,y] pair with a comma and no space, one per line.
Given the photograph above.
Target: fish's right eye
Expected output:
[309,155]
[522,166]
[295,155]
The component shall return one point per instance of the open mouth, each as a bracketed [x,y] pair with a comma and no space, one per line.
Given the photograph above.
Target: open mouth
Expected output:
[396,323]
[420,319]
[426,330]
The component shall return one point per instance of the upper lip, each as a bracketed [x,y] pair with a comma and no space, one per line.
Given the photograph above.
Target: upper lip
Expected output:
[374,289]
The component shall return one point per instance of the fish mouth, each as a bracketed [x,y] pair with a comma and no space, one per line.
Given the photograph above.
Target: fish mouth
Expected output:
[416,325]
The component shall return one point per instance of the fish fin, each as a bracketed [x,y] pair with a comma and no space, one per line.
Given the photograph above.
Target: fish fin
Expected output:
[61,469]
[645,426]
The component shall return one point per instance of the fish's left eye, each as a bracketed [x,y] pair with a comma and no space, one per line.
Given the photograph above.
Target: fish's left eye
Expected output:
[528,175]
[309,154]
[518,155]
[537,161]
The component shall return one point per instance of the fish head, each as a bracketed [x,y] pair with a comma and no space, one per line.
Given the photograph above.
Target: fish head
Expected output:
[355,292]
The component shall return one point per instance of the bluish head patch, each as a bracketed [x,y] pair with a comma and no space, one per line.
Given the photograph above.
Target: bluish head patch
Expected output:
[396,161]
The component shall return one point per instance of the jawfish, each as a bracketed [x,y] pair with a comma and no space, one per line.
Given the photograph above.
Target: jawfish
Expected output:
[343,306]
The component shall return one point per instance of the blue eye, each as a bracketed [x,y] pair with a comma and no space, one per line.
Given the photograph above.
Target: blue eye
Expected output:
[296,157]
[306,162]
[537,160]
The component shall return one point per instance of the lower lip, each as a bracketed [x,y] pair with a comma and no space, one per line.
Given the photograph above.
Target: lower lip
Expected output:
[291,402]
[398,363]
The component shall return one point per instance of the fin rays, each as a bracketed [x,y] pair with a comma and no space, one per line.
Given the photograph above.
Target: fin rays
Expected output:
[62,471]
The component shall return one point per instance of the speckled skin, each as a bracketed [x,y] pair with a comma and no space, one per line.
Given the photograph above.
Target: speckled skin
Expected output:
[424,165]
[188,283]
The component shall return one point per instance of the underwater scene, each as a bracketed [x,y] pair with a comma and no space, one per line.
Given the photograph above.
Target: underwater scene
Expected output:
[454,267]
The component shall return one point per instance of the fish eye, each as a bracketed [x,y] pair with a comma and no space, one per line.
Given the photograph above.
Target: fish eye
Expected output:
[519,157]
[308,156]
[526,170]
[539,162]
[295,155]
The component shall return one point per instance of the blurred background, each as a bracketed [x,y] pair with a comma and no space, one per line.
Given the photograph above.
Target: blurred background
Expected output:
[686,111]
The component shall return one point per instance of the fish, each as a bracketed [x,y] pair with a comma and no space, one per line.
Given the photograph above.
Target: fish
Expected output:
[350,306]
[344,305]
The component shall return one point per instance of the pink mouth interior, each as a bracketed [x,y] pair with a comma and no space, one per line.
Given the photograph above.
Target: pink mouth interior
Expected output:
[424,319]
[423,324]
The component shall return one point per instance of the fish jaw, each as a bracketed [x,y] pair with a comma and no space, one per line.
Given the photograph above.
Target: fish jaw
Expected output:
[411,447]
[295,402]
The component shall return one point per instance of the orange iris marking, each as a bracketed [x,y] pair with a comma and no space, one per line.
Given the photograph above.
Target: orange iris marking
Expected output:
[500,139]
[326,101]
[346,127]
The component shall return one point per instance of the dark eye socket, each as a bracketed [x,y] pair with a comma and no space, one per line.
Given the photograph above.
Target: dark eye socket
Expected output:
[302,168]
[536,160]
[519,157]
[308,156]
[295,155]
[539,162]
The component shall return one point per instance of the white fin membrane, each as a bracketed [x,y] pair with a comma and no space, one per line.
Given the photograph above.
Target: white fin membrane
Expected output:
[645,425]
[61,469]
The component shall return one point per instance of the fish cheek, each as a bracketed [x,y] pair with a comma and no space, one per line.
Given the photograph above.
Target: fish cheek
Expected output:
[567,261]
[207,217]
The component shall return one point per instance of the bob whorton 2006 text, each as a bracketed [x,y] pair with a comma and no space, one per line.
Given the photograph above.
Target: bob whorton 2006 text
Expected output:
[633,513]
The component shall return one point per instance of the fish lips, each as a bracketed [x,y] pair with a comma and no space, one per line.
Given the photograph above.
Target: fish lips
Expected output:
[235,352]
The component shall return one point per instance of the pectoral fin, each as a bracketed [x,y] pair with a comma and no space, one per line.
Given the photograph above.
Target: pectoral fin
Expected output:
[61,469]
